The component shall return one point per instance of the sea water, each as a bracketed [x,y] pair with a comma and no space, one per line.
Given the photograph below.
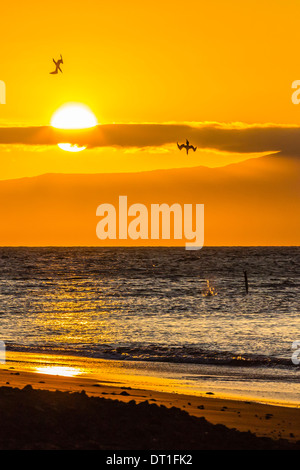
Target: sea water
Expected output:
[159,310]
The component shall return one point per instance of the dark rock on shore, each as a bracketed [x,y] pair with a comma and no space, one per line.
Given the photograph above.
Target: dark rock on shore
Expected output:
[41,420]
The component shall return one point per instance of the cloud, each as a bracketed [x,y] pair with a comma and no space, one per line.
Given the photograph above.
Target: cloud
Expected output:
[238,137]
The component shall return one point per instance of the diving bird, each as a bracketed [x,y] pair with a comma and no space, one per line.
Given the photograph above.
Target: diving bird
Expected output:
[57,65]
[187,146]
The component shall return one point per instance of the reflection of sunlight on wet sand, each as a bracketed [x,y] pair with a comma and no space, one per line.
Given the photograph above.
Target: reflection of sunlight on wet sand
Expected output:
[50,364]
[186,379]
[58,370]
[128,373]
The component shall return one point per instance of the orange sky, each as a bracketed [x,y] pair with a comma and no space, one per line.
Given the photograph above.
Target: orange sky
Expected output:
[152,61]
[222,68]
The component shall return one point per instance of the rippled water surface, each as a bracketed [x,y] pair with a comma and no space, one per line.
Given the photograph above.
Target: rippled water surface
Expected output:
[153,303]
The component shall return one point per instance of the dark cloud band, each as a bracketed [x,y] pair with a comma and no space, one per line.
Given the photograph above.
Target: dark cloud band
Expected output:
[241,139]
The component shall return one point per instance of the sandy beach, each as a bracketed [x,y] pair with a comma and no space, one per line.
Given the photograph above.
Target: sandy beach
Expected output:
[255,425]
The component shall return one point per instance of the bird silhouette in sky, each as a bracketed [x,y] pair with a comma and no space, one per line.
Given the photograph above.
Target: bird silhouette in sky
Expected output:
[57,65]
[187,146]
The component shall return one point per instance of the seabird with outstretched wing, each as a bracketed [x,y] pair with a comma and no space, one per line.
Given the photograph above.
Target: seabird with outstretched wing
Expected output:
[57,66]
[187,146]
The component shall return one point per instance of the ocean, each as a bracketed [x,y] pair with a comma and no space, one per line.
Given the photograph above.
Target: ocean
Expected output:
[163,310]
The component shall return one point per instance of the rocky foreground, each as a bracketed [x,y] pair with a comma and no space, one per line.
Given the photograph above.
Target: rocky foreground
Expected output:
[42,420]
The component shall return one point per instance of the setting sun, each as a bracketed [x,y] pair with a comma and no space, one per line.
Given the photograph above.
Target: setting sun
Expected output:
[73,116]
[70,147]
